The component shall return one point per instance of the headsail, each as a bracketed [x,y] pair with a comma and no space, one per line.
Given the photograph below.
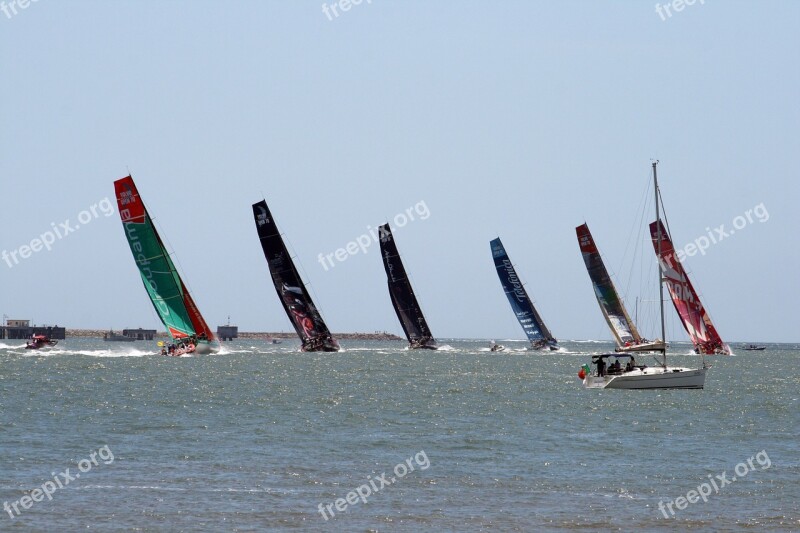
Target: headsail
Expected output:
[532,324]
[693,315]
[294,297]
[611,305]
[167,292]
[403,299]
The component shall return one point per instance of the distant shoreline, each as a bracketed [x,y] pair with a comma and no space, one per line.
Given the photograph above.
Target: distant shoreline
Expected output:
[377,336]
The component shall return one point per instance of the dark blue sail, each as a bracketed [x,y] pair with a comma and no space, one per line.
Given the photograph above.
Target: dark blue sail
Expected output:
[529,319]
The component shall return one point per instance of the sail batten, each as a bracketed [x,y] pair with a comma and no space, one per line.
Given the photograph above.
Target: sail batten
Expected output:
[168,294]
[611,305]
[687,303]
[402,294]
[522,305]
[292,292]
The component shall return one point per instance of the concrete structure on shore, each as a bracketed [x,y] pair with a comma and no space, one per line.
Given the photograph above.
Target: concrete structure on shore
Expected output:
[21,329]
[227,333]
[140,334]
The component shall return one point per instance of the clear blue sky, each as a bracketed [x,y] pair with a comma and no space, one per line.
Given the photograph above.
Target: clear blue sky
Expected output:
[519,119]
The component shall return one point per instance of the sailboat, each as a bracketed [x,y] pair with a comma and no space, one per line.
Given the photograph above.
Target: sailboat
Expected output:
[403,299]
[619,322]
[687,303]
[169,295]
[303,314]
[532,324]
[612,376]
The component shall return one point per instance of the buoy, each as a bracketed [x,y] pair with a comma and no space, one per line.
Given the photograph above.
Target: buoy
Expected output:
[582,374]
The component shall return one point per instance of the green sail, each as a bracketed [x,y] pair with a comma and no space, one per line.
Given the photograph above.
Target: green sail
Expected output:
[160,278]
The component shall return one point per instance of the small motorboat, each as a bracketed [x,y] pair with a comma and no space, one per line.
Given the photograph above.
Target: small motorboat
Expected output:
[753,348]
[39,341]
[497,348]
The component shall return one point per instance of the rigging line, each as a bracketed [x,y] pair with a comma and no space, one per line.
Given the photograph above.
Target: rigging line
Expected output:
[412,283]
[303,275]
[643,238]
[164,255]
[178,267]
[664,214]
[637,228]
[177,271]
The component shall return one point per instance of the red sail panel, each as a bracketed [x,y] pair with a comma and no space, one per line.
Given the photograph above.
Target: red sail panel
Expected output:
[199,324]
[175,334]
[131,208]
[693,315]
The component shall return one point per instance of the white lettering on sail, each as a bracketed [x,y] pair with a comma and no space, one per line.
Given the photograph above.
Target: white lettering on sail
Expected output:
[518,291]
[680,290]
[142,261]
[389,266]
[126,197]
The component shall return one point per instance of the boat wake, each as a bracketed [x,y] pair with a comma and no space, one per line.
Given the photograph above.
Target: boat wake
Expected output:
[224,350]
[91,353]
[4,346]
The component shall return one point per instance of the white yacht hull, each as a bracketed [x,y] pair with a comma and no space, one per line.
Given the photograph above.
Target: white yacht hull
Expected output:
[650,378]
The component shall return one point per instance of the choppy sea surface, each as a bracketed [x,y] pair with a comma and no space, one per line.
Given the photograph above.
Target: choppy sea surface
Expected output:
[263,437]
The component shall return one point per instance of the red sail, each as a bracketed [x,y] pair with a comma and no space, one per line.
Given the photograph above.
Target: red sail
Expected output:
[695,320]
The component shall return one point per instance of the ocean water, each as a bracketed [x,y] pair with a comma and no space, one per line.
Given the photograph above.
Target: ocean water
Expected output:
[261,437]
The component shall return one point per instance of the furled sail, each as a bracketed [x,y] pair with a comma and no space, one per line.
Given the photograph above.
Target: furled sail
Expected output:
[403,299]
[610,304]
[693,315]
[167,292]
[532,324]
[293,295]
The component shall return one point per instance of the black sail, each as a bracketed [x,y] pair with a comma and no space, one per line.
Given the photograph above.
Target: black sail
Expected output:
[403,299]
[301,310]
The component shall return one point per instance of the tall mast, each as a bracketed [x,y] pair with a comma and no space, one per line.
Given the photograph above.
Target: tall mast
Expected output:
[660,267]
